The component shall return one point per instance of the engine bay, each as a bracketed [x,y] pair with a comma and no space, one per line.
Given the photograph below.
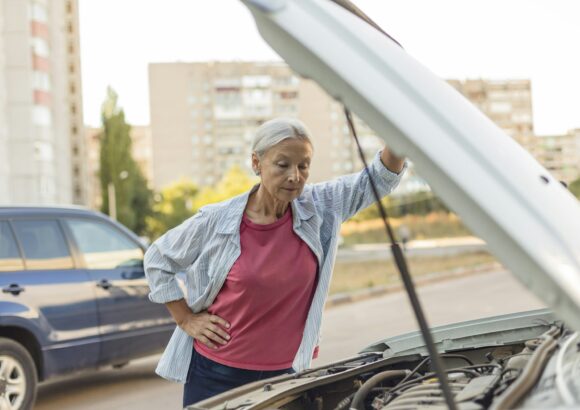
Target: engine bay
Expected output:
[494,377]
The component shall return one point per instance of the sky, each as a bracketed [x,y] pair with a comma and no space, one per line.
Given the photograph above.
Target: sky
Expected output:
[490,39]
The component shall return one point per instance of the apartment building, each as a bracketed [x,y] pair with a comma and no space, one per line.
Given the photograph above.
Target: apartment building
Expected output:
[559,154]
[41,142]
[508,103]
[203,118]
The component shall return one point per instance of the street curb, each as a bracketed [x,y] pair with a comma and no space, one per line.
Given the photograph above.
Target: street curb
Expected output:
[429,278]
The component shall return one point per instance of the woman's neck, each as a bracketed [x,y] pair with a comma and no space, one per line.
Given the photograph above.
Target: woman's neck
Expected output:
[263,206]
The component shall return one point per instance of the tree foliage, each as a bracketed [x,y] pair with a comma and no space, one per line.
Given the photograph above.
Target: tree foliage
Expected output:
[173,205]
[420,203]
[117,167]
[182,199]
[574,187]
[234,182]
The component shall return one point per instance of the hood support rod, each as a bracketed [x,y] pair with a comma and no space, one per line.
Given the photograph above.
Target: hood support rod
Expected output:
[407,280]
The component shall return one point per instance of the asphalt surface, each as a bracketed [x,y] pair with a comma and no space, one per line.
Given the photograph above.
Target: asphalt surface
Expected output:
[346,329]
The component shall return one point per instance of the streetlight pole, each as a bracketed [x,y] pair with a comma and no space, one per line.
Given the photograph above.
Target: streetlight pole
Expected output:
[112,200]
[112,193]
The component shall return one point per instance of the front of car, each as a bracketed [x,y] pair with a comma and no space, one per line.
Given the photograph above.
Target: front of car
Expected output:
[525,359]
[529,221]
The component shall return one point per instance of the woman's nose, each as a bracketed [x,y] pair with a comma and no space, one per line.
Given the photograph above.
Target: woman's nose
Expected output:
[294,175]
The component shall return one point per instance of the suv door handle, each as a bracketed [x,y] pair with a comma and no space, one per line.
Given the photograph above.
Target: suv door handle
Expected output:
[14,288]
[134,274]
[105,284]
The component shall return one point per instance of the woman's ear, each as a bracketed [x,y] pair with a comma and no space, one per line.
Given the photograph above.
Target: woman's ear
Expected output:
[255,163]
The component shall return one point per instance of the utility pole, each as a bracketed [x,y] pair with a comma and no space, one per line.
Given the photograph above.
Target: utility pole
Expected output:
[113,195]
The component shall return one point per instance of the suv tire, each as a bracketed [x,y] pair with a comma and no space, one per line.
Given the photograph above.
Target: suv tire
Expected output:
[18,377]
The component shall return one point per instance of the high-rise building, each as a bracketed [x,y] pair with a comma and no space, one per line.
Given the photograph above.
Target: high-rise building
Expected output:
[141,151]
[41,142]
[203,117]
[508,103]
[559,154]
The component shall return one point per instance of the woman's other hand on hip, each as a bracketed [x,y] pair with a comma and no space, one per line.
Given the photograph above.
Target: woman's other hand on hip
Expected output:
[206,328]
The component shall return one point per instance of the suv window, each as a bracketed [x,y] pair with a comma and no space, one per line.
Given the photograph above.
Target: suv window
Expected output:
[10,258]
[103,246]
[44,244]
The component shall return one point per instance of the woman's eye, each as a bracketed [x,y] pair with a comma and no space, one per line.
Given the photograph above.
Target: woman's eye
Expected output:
[282,165]
[303,166]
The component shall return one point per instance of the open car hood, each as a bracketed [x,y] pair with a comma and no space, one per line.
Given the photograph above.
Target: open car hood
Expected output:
[530,221]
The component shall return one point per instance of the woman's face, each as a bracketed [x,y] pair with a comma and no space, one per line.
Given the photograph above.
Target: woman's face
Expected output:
[284,168]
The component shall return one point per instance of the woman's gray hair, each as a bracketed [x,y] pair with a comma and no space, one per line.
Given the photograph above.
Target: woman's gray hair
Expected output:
[277,130]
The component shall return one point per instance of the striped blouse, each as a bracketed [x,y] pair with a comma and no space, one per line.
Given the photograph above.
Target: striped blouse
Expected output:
[206,246]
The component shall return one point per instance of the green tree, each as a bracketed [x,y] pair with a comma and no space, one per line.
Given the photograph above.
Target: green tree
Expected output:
[574,187]
[119,171]
[233,183]
[173,205]
[419,203]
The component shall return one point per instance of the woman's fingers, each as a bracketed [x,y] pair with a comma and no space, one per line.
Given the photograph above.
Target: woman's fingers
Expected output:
[207,342]
[208,329]
[214,337]
[220,332]
[219,321]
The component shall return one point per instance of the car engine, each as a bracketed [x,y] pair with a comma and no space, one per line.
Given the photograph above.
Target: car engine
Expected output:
[519,375]
[525,373]
[501,383]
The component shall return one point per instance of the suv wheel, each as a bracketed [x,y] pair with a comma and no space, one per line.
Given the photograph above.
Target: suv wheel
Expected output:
[17,376]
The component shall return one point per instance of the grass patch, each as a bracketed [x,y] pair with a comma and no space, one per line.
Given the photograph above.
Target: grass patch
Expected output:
[351,276]
[433,225]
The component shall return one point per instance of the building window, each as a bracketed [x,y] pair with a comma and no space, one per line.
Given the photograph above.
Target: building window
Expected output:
[40,47]
[41,115]
[39,13]
[41,81]
[500,107]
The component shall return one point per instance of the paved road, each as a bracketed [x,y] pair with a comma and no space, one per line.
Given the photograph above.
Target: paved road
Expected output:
[346,329]
[349,328]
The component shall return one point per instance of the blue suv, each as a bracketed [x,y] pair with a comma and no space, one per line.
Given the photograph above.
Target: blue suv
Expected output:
[74,297]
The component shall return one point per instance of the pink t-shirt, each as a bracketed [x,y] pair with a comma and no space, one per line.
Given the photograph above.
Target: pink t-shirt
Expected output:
[265,298]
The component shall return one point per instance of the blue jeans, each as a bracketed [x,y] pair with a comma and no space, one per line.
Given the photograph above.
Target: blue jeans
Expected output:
[207,378]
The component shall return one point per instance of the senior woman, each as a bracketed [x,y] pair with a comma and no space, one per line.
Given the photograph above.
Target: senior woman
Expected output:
[258,267]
